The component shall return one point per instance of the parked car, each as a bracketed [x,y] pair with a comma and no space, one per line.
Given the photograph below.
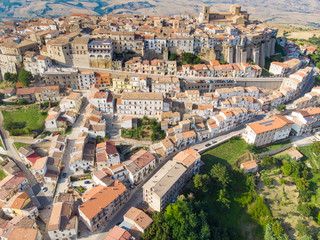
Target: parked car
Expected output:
[313,139]
[45,140]
[56,134]
[38,140]
[44,189]
[208,145]
[64,175]
[213,142]
[87,182]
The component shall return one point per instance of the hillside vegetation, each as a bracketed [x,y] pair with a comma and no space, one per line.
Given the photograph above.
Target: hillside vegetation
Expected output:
[292,11]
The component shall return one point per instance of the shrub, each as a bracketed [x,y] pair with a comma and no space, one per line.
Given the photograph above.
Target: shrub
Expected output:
[22,102]
[304,209]
[260,211]
[267,181]
[301,228]
[283,181]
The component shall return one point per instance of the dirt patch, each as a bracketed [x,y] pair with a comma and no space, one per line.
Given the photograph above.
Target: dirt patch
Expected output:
[282,200]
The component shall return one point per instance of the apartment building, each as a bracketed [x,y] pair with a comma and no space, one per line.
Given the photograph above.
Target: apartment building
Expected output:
[191,159]
[31,94]
[60,49]
[62,223]
[165,185]
[82,156]
[86,79]
[106,155]
[137,219]
[305,121]
[100,203]
[119,233]
[103,101]
[140,104]
[50,94]
[64,77]
[165,85]
[36,64]
[12,184]
[20,204]
[18,47]
[100,48]
[155,66]
[267,131]
[80,55]
[205,86]
[72,102]
[139,164]
[102,80]
[283,69]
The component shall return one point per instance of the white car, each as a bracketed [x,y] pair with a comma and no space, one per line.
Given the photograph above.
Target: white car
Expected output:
[39,140]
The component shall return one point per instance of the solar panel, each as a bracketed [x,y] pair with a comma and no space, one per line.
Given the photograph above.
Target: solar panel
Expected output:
[266,122]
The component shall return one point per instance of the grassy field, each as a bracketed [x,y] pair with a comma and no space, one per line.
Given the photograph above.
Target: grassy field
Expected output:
[2,174]
[31,116]
[273,146]
[237,218]
[18,145]
[226,153]
[1,144]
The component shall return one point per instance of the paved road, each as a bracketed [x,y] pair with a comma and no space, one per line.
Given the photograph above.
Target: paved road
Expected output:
[136,194]
[35,189]
[63,181]
[272,79]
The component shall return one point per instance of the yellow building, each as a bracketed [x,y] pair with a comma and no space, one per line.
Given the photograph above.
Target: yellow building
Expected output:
[20,204]
[125,85]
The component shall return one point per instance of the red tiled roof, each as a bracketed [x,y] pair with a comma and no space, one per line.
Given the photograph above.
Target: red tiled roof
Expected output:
[33,158]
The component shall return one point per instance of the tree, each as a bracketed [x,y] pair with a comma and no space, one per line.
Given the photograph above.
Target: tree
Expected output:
[6,76]
[306,237]
[266,161]
[190,58]
[22,102]
[252,148]
[304,209]
[25,77]
[222,61]
[287,168]
[281,108]
[223,198]
[201,182]
[220,173]
[269,234]
[173,57]
[260,211]
[11,77]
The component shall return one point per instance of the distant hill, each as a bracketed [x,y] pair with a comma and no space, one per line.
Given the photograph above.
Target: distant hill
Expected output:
[279,11]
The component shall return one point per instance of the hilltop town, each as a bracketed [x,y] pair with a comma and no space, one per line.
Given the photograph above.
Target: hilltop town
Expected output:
[158,127]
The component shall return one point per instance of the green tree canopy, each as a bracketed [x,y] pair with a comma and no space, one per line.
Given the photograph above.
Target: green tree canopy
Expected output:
[220,173]
[25,77]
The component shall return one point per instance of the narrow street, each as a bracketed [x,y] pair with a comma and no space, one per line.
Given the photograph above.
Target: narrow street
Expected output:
[63,181]
[136,196]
